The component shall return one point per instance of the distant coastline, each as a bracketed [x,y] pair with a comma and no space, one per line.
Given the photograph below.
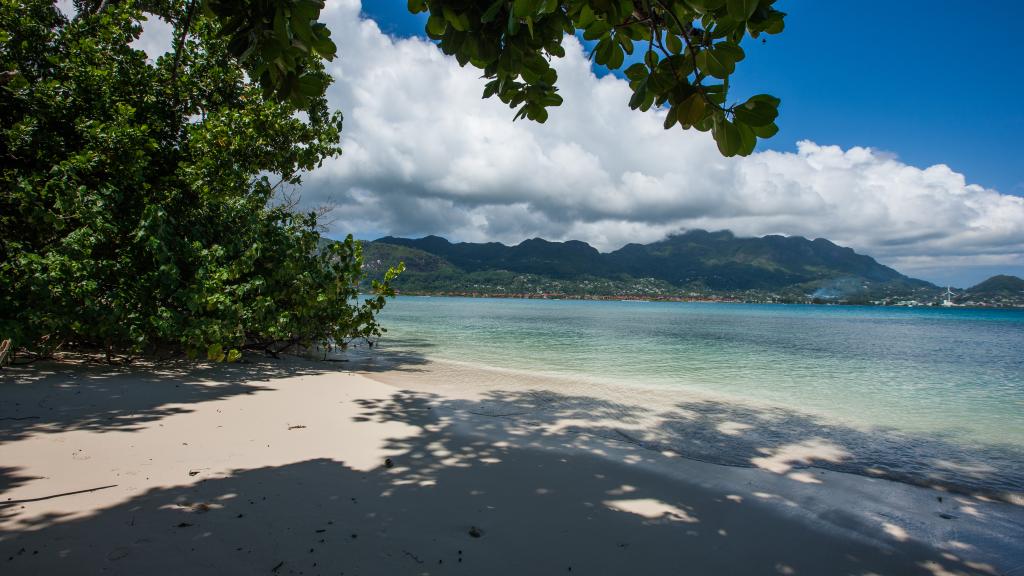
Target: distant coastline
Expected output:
[710,299]
[696,266]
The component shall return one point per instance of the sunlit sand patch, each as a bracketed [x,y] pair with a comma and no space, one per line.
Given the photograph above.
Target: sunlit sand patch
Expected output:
[972,470]
[784,458]
[768,496]
[438,450]
[194,507]
[938,569]
[982,567]
[805,477]
[970,510]
[730,428]
[622,490]
[651,509]
[895,531]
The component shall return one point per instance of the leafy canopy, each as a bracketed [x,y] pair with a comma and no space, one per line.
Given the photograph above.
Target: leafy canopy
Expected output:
[689,49]
[138,200]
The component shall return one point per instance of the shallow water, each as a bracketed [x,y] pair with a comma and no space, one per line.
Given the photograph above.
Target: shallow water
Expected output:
[922,394]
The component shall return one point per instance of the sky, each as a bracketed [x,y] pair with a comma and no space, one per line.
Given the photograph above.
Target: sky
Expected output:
[900,137]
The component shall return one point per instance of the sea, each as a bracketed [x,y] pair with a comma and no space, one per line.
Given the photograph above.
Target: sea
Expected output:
[930,396]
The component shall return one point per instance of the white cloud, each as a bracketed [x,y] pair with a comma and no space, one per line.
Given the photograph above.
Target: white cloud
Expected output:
[156,38]
[425,154]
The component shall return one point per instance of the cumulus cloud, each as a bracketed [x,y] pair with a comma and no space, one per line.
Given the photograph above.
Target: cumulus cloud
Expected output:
[424,154]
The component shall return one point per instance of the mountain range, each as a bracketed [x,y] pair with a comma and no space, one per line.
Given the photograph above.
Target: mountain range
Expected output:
[697,260]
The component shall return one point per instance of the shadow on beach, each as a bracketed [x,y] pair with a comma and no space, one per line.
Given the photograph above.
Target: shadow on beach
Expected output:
[768,437]
[458,503]
[513,482]
[51,397]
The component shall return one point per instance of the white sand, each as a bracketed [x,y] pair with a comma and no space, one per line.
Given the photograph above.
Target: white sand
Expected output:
[278,467]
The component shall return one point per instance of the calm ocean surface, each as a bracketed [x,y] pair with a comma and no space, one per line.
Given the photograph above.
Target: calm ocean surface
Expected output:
[920,392]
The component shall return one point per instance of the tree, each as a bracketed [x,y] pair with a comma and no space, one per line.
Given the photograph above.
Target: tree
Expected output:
[137,209]
[690,50]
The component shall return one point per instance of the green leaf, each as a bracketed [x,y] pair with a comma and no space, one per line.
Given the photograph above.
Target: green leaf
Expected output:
[436,25]
[524,8]
[748,141]
[758,111]
[651,59]
[311,86]
[670,118]
[729,51]
[765,131]
[741,9]
[639,95]
[673,43]
[596,30]
[492,12]
[712,64]
[726,135]
[215,353]
[636,71]
[616,57]
[705,6]
[457,20]
[691,110]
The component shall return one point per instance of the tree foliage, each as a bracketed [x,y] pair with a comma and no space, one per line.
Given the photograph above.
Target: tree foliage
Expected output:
[137,199]
[688,50]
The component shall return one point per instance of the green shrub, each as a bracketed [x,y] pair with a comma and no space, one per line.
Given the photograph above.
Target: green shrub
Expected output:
[137,198]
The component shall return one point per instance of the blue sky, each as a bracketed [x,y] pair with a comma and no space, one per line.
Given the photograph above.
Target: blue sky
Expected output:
[937,82]
[899,139]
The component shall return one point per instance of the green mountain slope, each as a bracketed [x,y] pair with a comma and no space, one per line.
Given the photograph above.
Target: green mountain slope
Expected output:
[721,261]
[695,261]
[998,286]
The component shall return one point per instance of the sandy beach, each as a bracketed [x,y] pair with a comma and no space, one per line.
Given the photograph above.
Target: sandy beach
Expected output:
[299,467]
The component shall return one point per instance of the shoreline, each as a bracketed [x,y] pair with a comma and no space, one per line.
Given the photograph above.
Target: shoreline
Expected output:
[279,467]
[729,424]
[689,300]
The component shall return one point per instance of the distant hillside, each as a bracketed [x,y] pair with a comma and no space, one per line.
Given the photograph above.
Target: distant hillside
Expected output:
[555,259]
[696,260]
[998,286]
[721,261]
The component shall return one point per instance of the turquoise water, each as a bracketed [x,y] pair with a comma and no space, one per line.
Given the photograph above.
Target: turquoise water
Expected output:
[946,384]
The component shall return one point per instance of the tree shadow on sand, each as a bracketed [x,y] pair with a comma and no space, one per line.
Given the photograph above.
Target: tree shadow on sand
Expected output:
[459,502]
[769,437]
[58,397]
